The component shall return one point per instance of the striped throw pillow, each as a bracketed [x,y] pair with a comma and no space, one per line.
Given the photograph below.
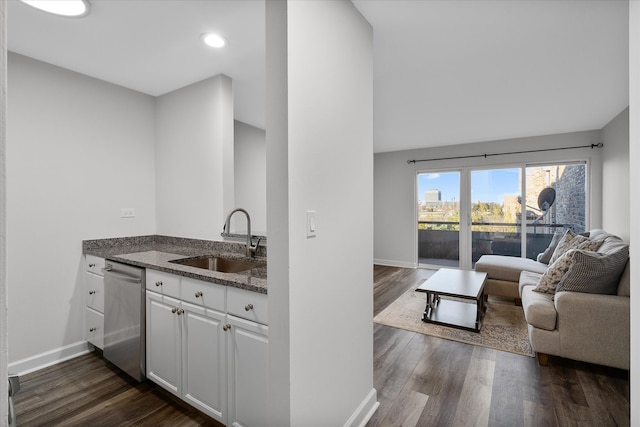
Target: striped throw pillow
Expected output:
[593,272]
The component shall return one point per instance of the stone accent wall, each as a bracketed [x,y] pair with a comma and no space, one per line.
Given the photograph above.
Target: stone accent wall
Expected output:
[569,207]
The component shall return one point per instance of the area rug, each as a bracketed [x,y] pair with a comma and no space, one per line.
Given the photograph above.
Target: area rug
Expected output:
[504,327]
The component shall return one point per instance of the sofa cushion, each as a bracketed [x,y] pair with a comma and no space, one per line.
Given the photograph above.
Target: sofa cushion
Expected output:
[527,278]
[599,234]
[624,287]
[556,271]
[507,268]
[594,272]
[539,309]
[611,244]
[571,240]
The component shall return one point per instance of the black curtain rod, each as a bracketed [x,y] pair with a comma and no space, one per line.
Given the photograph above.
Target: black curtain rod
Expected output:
[592,146]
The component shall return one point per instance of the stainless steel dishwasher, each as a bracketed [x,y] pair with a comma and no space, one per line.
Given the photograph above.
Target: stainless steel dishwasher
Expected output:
[124,318]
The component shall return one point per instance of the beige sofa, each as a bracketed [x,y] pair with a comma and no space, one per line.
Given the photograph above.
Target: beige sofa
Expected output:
[503,274]
[582,326]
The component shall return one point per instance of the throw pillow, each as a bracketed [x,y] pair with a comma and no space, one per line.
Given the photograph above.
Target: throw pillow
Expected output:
[545,256]
[549,280]
[593,272]
[570,240]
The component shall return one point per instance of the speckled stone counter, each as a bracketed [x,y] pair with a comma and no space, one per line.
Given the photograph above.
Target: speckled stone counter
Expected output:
[157,252]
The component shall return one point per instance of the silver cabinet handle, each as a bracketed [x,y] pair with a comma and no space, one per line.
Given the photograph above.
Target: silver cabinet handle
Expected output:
[180,312]
[173,310]
[226,327]
[248,307]
[177,311]
[91,265]
[198,294]
[92,292]
[92,329]
[159,283]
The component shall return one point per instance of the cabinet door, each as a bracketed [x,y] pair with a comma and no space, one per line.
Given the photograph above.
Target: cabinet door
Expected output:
[95,327]
[163,283]
[204,371]
[94,291]
[163,341]
[94,264]
[248,305]
[247,368]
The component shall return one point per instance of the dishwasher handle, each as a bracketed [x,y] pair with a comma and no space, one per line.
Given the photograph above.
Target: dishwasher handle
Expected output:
[124,277]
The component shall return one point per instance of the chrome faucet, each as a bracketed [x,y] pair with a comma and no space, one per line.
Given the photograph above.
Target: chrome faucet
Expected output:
[251,250]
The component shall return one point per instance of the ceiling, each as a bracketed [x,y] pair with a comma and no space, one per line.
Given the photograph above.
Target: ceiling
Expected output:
[445,72]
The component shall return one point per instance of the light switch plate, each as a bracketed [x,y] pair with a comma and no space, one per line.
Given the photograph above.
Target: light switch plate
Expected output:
[311,224]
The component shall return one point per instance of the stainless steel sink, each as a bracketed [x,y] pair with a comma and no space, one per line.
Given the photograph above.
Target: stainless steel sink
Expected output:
[223,265]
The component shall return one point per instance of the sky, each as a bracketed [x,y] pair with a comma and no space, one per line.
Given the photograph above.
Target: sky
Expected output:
[486,185]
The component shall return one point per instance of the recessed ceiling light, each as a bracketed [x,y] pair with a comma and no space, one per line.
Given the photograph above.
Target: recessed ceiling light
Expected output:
[214,40]
[72,8]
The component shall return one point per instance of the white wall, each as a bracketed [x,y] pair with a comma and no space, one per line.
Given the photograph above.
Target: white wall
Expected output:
[3,229]
[319,130]
[250,175]
[615,176]
[78,150]
[279,373]
[634,205]
[194,159]
[395,227]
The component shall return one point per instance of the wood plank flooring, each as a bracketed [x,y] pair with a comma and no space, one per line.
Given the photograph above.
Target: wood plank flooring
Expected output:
[427,381]
[421,381]
[89,391]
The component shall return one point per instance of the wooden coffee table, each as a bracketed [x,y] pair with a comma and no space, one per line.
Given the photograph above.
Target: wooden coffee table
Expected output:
[462,285]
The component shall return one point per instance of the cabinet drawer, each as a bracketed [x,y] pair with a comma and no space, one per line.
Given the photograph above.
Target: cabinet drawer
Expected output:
[203,293]
[94,323]
[248,305]
[93,264]
[163,283]
[94,291]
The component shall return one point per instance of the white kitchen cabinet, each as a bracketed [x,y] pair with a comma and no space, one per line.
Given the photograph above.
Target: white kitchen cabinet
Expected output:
[93,287]
[164,336]
[163,283]
[94,322]
[186,343]
[248,305]
[209,346]
[247,370]
[204,370]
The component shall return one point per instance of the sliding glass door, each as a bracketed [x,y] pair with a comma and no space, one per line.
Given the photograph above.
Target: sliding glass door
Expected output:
[439,219]
[556,201]
[512,211]
[495,212]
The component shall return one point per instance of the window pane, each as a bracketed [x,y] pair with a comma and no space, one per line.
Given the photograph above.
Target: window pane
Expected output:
[439,219]
[556,201]
[495,208]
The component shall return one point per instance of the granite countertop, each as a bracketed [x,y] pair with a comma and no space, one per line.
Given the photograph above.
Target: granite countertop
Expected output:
[156,252]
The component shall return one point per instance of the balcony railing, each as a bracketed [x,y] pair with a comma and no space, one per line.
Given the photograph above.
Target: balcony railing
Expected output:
[439,240]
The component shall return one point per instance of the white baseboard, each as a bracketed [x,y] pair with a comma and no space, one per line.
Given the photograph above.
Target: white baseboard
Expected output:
[52,357]
[365,410]
[392,263]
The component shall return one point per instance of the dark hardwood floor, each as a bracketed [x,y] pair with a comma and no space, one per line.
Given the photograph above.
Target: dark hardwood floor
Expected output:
[427,381]
[89,391]
[421,381]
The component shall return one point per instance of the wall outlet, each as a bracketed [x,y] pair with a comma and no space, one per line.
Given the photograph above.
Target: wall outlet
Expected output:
[127,213]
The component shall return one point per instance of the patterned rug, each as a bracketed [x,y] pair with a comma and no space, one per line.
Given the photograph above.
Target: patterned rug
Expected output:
[504,327]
